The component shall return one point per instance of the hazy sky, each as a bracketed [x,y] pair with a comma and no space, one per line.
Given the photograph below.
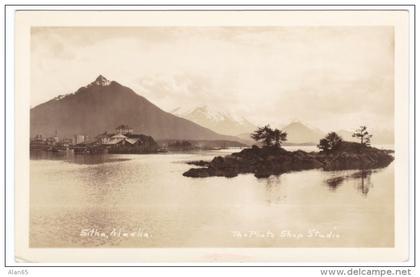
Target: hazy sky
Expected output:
[327,77]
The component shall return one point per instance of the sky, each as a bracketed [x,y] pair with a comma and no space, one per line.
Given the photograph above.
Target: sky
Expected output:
[331,78]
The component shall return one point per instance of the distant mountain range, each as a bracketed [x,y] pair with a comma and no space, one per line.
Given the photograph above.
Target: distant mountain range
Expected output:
[299,133]
[103,105]
[219,121]
[378,137]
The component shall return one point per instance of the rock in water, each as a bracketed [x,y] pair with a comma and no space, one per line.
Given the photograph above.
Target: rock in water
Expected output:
[266,161]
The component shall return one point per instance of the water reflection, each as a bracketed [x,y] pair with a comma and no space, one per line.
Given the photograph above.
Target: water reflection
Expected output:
[334,183]
[362,178]
[274,190]
[364,183]
[149,191]
[46,155]
[69,156]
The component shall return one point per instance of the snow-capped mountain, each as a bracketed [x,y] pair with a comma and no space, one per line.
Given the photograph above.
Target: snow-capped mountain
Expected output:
[219,121]
[100,81]
[102,105]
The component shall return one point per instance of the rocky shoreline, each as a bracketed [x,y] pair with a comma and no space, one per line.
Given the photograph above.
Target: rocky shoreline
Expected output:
[266,161]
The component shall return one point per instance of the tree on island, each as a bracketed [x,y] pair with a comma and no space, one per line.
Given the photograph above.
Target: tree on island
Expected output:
[269,137]
[279,137]
[330,142]
[363,135]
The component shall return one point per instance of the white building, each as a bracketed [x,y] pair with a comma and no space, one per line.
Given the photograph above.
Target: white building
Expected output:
[79,139]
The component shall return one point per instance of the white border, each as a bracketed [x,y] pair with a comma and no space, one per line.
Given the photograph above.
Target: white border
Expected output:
[10,115]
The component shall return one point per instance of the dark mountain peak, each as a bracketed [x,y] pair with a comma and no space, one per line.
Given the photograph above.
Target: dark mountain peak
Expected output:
[104,104]
[101,81]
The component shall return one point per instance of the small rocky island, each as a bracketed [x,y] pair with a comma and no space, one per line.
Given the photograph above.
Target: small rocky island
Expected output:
[273,160]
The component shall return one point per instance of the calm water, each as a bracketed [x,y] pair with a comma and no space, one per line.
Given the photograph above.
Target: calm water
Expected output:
[144,201]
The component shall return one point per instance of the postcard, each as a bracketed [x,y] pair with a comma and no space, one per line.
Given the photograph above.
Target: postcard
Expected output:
[212,136]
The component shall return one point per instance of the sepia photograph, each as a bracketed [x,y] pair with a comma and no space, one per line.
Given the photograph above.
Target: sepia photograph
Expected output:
[212,137]
[237,136]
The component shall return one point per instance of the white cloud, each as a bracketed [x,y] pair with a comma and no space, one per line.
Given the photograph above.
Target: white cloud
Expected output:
[327,76]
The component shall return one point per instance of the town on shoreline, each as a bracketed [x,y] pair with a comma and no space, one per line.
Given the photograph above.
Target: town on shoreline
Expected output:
[266,157]
[123,140]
